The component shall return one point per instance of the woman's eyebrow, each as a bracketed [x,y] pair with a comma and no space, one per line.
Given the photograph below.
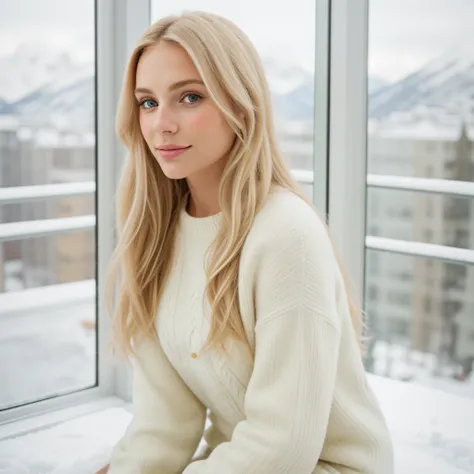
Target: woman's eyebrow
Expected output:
[173,87]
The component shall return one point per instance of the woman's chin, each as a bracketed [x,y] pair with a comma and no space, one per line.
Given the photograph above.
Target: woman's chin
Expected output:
[174,172]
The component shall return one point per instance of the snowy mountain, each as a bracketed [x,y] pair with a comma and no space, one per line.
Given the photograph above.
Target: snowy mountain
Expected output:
[446,83]
[40,84]
[376,83]
[32,67]
[67,106]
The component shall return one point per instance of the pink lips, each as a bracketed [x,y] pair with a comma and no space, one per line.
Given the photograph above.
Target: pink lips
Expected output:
[171,151]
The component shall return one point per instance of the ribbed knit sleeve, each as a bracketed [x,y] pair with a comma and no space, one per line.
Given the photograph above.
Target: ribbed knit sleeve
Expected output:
[297,339]
[168,420]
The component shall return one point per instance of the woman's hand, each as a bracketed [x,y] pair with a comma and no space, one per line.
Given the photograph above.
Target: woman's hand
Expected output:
[104,470]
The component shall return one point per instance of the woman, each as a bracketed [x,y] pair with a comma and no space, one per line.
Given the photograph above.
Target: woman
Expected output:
[230,298]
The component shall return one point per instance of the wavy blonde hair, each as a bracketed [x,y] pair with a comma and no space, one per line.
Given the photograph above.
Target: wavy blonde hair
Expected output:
[149,204]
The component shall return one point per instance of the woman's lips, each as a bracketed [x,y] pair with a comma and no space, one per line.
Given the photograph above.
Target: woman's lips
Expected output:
[169,153]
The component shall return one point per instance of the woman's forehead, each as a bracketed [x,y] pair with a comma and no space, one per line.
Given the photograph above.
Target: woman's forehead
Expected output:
[164,64]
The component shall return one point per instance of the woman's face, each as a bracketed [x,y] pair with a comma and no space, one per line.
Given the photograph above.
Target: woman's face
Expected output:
[182,126]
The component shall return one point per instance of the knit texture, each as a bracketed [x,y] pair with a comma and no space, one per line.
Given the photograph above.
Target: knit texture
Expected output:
[303,406]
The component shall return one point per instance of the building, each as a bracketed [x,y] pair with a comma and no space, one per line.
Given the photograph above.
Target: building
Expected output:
[423,304]
[37,157]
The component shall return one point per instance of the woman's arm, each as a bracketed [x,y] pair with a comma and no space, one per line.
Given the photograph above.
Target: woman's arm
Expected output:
[297,337]
[168,419]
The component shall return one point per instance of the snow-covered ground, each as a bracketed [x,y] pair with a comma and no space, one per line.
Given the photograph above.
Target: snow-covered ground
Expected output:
[44,347]
[401,363]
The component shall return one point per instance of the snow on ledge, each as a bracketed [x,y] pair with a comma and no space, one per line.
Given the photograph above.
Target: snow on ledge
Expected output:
[46,296]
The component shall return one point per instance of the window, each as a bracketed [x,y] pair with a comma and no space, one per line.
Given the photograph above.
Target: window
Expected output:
[373,230]
[373,264]
[47,244]
[455,276]
[404,275]
[429,207]
[462,237]
[413,116]
[289,62]
[428,305]
[399,298]
[422,318]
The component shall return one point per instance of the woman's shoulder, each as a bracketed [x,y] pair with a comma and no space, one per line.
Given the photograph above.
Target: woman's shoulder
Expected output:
[286,221]
[286,214]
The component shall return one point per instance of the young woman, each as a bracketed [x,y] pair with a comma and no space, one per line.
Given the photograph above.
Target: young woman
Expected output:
[230,298]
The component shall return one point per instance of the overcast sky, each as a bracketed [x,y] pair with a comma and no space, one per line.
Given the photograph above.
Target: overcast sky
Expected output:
[404,34]
[61,24]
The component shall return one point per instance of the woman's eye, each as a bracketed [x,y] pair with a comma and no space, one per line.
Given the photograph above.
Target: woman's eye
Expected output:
[191,98]
[148,103]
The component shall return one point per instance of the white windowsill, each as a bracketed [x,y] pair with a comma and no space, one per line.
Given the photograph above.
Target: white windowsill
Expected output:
[45,420]
[81,442]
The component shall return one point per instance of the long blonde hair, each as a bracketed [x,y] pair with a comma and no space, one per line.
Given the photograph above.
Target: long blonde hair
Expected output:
[149,204]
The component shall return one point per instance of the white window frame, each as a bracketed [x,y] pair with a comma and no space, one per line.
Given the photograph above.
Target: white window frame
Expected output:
[347,174]
[119,24]
[322,73]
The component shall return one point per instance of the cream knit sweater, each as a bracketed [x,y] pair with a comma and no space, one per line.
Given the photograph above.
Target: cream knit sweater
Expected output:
[303,406]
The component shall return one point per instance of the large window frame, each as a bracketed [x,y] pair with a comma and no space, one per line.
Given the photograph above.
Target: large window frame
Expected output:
[348,134]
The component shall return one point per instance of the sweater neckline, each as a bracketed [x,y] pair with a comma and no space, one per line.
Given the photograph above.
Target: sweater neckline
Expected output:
[200,226]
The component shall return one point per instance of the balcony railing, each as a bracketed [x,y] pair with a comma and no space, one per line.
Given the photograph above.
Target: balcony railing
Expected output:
[47,191]
[438,186]
[44,227]
[29,229]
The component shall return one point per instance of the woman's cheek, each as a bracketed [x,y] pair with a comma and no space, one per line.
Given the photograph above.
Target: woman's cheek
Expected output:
[146,129]
[199,120]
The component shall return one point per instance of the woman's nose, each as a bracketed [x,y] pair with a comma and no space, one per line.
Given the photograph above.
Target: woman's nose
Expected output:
[166,122]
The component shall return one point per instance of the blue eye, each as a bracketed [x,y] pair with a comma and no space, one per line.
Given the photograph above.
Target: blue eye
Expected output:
[193,98]
[148,103]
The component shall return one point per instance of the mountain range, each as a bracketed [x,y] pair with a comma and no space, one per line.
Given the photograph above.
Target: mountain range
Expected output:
[445,83]
[40,84]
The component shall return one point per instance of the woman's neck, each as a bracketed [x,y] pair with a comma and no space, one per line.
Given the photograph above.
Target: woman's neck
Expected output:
[203,198]
[202,206]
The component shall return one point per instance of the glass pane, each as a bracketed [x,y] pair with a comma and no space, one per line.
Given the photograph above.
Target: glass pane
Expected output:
[288,60]
[44,261]
[421,217]
[421,124]
[48,336]
[421,321]
[47,137]
[421,109]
